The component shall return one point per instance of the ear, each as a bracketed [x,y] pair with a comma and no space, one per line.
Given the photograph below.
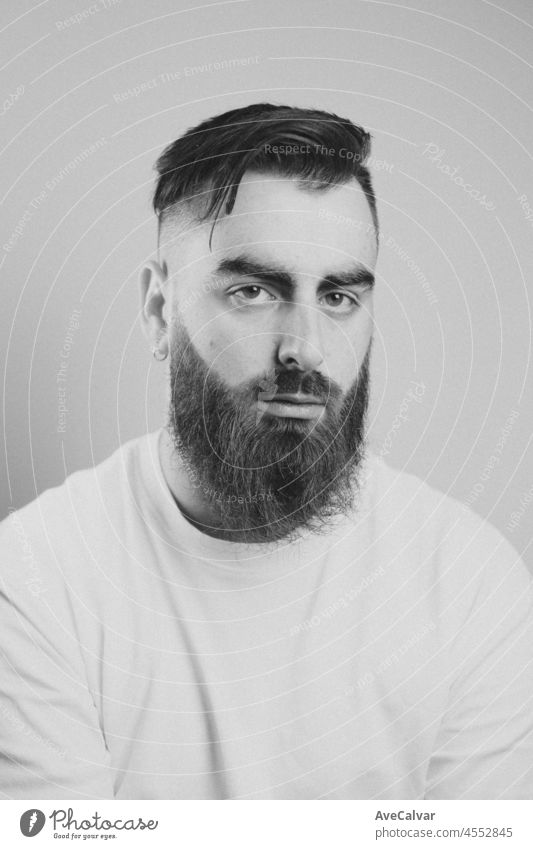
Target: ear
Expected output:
[153,299]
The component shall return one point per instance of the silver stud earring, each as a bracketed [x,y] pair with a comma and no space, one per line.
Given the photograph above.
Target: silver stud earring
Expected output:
[158,354]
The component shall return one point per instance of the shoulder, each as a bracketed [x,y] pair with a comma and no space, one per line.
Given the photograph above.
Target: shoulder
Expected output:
[460,547]
[62,523]
[408,496]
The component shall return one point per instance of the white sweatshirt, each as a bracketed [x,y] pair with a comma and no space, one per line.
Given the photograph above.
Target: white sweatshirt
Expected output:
[143,659]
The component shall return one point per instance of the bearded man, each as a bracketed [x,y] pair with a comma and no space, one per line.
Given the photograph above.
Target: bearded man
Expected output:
[248,603]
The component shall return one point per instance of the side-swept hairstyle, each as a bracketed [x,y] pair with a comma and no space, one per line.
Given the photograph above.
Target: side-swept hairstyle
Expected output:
[207,163]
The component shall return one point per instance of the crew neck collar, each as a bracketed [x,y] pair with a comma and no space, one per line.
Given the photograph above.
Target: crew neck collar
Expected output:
[181,533]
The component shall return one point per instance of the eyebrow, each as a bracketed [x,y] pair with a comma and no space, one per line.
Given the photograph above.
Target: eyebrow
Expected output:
[244,266]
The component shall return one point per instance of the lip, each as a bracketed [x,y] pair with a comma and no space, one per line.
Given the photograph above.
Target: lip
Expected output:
[292,407]
[288,398]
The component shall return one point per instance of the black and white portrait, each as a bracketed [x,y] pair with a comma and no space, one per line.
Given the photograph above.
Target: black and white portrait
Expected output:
[266,348]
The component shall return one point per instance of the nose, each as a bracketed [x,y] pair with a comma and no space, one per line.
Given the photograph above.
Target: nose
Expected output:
[300,344]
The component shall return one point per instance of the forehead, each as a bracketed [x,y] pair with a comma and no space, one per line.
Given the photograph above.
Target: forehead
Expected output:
[308,231]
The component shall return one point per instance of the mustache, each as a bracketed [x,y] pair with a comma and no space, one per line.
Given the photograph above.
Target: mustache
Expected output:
[292,382]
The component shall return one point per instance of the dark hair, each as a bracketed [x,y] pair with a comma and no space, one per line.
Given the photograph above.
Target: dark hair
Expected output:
[210,160]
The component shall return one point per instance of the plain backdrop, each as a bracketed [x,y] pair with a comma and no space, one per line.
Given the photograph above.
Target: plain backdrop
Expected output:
[92,92]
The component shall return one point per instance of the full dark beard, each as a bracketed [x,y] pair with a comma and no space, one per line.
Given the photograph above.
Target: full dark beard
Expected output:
[269,478]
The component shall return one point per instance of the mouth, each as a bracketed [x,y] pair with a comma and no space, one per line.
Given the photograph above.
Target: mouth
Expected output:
[295,406]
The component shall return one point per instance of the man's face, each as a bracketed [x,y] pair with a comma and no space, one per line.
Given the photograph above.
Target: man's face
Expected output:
[279,285]
[270,335]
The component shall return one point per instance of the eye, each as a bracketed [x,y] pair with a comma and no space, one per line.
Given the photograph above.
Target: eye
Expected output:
[252,292]
[341,301]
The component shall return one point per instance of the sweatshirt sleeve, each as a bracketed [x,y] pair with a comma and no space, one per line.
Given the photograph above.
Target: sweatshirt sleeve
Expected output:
[51,743]
[484,746]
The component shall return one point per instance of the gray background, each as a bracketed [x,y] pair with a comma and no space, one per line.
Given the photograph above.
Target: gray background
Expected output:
[79,139]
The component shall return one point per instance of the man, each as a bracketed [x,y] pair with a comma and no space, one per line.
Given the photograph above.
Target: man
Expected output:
[248,604]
